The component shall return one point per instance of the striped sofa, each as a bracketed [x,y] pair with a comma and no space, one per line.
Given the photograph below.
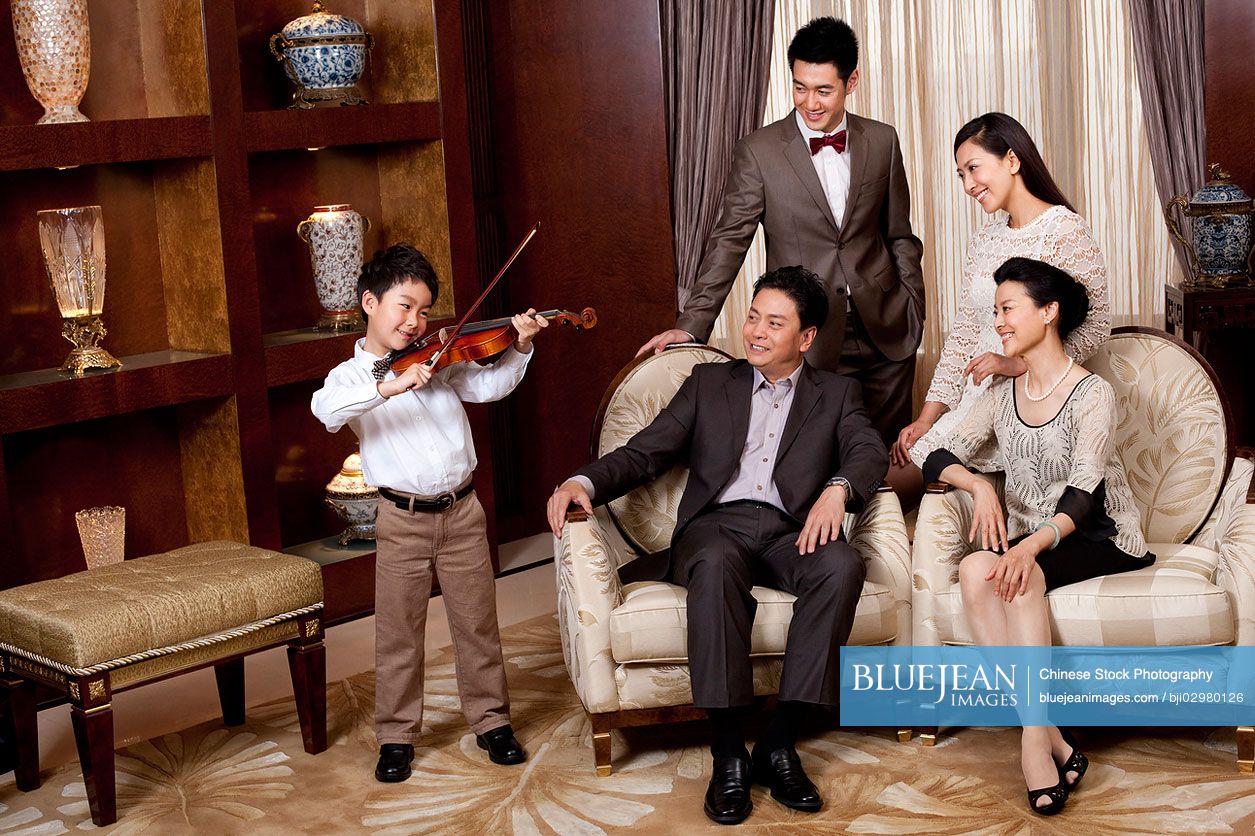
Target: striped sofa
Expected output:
[1175,443]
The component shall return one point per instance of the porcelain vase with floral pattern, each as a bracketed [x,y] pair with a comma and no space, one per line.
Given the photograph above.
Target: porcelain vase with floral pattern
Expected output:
[54,46]
[334,234]
[1220,213]
[324,55]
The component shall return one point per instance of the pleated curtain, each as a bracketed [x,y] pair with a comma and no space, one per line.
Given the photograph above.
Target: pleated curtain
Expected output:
[715,60]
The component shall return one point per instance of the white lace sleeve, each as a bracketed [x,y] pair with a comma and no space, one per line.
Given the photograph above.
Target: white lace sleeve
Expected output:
[1073,249]
[963,339]
[974,434]
[1094,442]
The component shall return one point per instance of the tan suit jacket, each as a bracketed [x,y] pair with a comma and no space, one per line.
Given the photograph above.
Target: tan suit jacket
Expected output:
[871,250]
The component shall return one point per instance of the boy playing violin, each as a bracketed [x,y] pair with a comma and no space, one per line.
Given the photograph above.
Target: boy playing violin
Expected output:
[416,447]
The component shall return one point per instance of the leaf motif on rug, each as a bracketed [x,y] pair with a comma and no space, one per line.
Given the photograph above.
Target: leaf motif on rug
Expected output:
[193,779]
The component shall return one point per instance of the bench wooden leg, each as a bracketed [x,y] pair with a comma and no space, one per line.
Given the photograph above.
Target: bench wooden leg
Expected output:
[1246,748]
[93,732]
[230,676]
[23,731]
[308,664]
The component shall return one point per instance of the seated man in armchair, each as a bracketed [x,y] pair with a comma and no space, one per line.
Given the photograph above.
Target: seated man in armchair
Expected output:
[775,449]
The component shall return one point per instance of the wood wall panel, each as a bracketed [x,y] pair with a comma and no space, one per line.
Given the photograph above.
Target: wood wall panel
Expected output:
[579,141]
[1229,41]
[190,249]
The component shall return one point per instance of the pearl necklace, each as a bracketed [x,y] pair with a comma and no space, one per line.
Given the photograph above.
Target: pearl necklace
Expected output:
[1028,376]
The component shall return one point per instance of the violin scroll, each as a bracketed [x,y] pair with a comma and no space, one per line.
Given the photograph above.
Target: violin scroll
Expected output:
[582,321]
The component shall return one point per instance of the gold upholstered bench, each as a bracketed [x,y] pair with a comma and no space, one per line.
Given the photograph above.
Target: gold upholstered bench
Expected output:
[95,633]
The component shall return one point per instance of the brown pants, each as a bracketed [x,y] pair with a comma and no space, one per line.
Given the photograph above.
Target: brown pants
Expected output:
[455,544]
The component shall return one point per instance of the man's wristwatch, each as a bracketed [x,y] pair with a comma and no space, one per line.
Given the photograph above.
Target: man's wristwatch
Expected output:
[843,482]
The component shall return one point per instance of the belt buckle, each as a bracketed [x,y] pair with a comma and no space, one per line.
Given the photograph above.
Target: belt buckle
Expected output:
[445,501]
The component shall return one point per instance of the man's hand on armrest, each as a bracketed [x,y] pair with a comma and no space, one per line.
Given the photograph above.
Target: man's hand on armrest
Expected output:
[666,338]
[568,492]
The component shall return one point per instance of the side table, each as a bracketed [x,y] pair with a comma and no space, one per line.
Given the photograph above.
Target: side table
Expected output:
[1220,324]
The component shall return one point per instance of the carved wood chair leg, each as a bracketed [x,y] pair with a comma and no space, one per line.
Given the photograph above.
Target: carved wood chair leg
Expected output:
[23,731]
[93,732]
[308,665]
[230,676]
[1246,748]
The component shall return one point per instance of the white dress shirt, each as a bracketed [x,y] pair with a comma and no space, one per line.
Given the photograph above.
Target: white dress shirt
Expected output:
[419,441]
[833,168]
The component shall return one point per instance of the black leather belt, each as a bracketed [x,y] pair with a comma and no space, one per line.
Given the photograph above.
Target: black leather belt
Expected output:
[750,503]
[441,503]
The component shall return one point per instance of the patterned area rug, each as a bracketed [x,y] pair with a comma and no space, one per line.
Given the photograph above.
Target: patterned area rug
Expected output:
[257,779]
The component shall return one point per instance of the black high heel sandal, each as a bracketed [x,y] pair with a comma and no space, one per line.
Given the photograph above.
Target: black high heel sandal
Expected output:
[1076,762]
[1058,798]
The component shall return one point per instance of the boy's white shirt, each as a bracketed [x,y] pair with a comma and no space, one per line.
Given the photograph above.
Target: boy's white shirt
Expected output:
[418,441]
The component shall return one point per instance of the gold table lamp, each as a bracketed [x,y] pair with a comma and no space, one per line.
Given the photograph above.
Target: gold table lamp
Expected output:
[73,244]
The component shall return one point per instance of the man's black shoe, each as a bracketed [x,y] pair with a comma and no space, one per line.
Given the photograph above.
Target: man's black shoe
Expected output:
[782,772]
[394,762]
[728,796]
[502,746]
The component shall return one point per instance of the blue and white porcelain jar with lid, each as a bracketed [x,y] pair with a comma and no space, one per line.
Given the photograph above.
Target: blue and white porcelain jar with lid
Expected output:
[1221,219]
[324,55]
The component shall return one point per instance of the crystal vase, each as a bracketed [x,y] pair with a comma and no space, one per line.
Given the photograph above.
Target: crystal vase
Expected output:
[73,243]
[54,47]
[103,534]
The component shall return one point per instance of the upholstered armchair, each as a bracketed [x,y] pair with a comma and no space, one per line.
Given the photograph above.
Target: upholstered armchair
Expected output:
[1175,441]
[625,645]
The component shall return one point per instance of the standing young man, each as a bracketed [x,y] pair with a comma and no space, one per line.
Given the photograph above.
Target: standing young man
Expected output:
[830,191]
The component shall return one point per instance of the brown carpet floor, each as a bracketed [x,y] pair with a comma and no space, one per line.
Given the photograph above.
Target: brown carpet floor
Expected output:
[256,779]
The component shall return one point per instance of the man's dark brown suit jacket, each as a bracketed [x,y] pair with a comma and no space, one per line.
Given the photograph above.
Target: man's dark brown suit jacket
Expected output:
[827,434]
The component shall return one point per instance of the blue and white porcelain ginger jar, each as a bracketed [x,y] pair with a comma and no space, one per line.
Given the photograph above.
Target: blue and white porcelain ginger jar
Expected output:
[324,55]
[1221,219]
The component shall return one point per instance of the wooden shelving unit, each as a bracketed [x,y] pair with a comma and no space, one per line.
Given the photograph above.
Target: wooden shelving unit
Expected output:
[203,173]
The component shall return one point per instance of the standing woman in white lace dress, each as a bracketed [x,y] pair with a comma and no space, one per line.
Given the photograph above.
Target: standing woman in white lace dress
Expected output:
[1000,167]
[1070,513]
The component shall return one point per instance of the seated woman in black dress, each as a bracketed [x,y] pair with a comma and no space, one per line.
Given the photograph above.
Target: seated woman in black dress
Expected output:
[1070,513]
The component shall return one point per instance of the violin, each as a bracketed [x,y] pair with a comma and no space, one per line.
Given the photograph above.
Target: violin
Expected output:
[477,341]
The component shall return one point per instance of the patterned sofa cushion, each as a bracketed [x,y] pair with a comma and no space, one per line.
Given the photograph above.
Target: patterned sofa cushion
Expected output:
[1172,437]
[1171,603]
[651,624]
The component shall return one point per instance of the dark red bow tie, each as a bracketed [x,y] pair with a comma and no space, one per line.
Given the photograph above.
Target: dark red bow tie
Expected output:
[837,141]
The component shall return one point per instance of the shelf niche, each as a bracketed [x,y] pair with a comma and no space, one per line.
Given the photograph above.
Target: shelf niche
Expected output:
[147,60]
[400,187]
[306,457]
[176,470]
[400,68]
[164,282]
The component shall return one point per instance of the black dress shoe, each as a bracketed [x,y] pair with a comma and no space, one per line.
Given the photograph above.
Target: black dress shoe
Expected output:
[394,762]
[782,772]
[502,746]
[728,796]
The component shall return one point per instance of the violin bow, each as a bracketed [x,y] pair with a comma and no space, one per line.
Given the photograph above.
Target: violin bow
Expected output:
[454,333]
